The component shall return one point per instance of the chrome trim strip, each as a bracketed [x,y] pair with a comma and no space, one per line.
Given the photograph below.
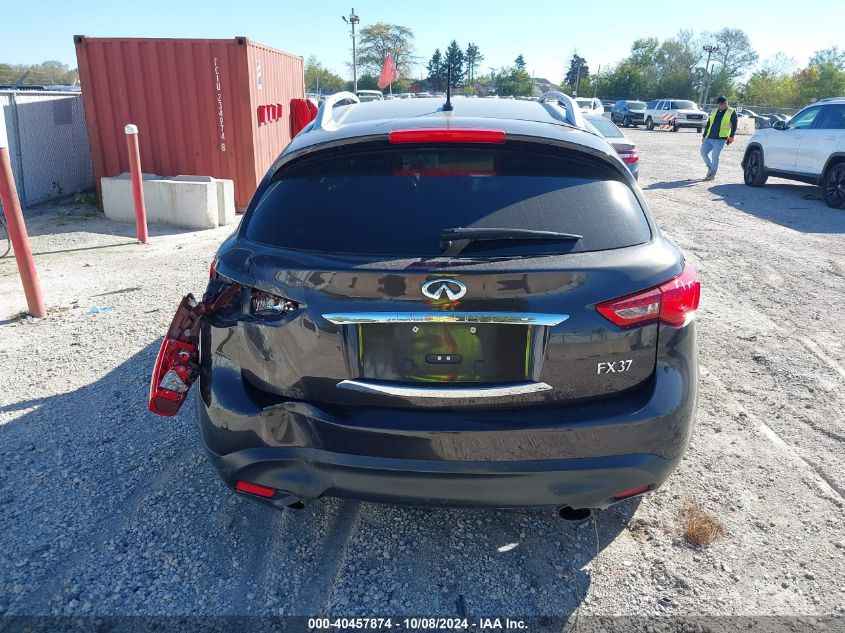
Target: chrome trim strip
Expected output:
[515,318]
[406,391]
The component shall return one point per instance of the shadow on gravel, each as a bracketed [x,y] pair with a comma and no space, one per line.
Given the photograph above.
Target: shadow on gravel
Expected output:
[107,509]
[673,184]
[796,206]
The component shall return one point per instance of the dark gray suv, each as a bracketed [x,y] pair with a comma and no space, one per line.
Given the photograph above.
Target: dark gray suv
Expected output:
[435,306]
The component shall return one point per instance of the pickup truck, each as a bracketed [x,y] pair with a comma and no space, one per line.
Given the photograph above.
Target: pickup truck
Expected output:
[686,114]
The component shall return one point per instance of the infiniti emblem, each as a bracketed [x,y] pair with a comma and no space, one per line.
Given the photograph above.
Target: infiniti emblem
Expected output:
[436,288]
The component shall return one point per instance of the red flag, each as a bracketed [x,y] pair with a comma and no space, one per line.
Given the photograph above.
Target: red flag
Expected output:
[389,74]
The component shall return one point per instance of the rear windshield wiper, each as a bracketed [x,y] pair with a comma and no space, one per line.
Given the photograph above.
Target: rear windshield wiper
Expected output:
[453,241]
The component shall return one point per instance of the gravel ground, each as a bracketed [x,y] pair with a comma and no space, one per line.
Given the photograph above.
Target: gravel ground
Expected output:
[107,509]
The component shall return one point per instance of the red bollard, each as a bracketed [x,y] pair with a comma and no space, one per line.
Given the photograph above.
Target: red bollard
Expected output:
[17,229]
[137,181]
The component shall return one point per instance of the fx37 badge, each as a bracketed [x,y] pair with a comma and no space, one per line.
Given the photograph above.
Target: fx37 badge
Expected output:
[614,367]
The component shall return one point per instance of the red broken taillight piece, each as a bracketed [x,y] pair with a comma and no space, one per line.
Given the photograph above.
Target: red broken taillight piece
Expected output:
[672,303]
[630,493]
[255,489]
[629,156]
[173,375]
[177,363]
[447,135]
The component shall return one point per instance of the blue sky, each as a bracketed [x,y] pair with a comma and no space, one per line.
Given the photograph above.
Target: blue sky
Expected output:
[546,33]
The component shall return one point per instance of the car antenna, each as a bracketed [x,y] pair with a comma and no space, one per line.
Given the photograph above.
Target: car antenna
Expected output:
[448,107]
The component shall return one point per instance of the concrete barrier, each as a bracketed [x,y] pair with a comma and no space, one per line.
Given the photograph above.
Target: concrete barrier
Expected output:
[194,202]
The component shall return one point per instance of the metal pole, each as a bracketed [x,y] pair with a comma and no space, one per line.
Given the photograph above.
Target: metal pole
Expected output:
[17,229]
[596,83]
[708,75]
[137,181]
[352,20]
[578,79]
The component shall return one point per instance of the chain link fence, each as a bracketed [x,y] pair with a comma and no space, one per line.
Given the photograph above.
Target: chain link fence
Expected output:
[48,144]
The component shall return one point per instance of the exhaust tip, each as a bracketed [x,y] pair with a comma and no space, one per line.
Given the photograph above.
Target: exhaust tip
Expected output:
[574,515]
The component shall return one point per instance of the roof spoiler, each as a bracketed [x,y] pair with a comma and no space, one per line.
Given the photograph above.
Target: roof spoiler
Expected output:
[573,112]
[325,118]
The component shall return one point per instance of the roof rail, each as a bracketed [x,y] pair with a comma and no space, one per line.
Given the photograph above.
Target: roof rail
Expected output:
[324,118]
[573,112]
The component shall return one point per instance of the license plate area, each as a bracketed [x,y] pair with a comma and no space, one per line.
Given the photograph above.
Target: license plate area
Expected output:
[446,352]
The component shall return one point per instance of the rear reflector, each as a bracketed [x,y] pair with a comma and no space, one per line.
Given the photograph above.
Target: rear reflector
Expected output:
[631,493]
[255,489]
[450,135]
[673,303]
[629,156]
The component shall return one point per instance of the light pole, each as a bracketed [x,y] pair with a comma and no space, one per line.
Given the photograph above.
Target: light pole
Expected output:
[352,20]
[710,49]
[578,77]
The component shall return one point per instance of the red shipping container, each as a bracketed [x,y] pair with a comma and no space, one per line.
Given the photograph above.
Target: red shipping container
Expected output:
[196,104]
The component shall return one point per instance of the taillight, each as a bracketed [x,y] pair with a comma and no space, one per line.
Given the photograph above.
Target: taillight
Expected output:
[629,156]
[173,374]
[673,303]
[447,135]
[264,304]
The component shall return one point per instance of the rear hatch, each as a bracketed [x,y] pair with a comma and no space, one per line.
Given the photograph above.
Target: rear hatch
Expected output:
[380,309]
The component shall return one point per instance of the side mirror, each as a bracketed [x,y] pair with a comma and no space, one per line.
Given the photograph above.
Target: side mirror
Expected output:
[779,125]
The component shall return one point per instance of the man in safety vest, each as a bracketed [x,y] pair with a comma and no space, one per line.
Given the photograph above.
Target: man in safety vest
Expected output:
[720,129]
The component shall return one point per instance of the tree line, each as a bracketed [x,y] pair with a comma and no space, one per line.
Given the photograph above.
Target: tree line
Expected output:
[676,67]
[49,73]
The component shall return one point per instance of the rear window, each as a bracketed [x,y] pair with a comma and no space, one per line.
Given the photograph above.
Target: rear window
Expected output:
[398,201]
[684,105]
[605,127]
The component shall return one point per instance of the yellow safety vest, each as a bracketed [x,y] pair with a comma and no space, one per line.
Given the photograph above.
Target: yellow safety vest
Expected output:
[725,128]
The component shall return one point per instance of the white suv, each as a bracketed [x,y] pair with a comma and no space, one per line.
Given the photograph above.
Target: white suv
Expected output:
[684,113]
[590,105]
[810,147]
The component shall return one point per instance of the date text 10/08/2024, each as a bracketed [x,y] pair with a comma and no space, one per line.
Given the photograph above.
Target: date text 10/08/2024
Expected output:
[416,624]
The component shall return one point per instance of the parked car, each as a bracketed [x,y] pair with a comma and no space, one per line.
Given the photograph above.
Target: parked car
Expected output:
[423,94]
[624,146]
[521,334]
[810,147]
[685,114]
[628,113]
[590,105]
[370,95]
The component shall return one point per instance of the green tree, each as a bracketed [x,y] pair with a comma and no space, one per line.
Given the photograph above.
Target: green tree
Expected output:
[735,56]
[377,40]
[473,58]
[519,62]
[436,71]
[47,73]
[365,82]
[578,71]
[455,58]
[819,82]
[829,56]
[514,81]
[320,79]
